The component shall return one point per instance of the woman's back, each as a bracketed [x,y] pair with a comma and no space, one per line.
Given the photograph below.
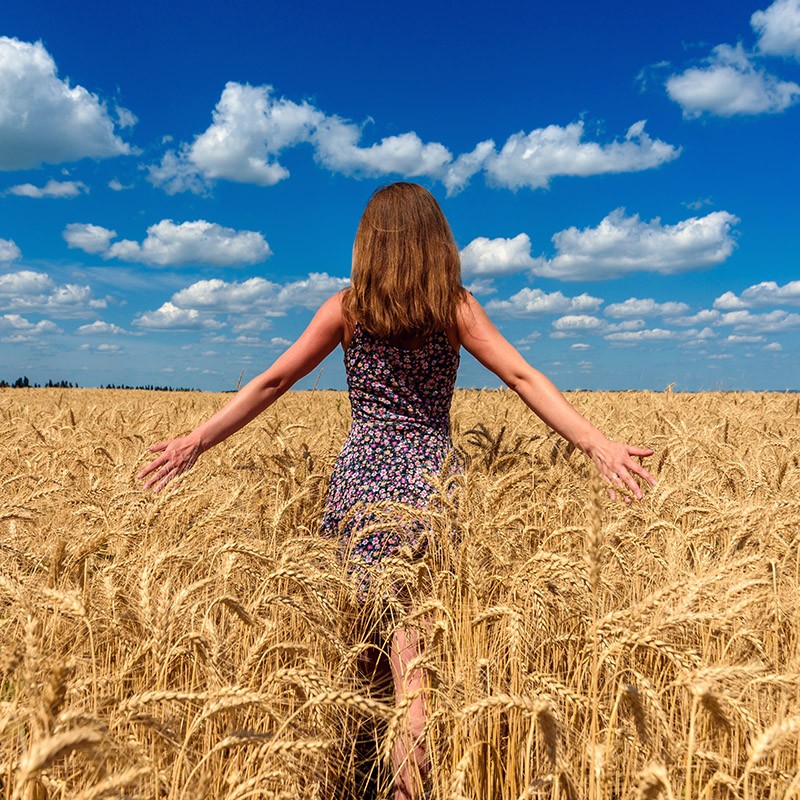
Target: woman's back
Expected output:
[396,385]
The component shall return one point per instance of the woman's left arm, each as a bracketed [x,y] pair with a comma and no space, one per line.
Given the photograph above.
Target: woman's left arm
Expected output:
[319,339]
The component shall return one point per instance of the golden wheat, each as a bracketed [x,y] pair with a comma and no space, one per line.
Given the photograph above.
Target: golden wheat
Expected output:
[206,642]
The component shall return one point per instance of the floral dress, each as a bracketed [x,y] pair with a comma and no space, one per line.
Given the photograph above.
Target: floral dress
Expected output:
[400,435]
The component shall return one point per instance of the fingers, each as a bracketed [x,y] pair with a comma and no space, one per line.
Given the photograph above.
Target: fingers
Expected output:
[162,477]
[153,465]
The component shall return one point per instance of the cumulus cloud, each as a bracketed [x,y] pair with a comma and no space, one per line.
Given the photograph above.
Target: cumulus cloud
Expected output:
[766,293]
[489,257]
[627,331]
[532,159]
[251,127]
[35,291]
[251,303]
[98,326]
[87,237]
[230,297]
[535,302]
[19,330]
[646,335]
[735,338]
[481,286]
[644,307]
[45,120]
[337,149]
[704,317]
[621,244]
[729,83]
[168,244]
[9,251]
[170,317]
[583,323]
[778,28]
[50,189]
[117,186]
[311,292]
[258,296]
[770,322]
[24,282]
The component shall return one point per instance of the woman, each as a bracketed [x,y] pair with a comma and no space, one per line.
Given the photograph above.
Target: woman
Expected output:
[401,325]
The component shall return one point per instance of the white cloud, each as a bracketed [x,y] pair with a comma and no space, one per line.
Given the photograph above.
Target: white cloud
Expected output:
[535,302]
[9,251]
[735,338]
[771,322]
[579,323]
[311,292]
[170,244]
[45,120]
[778,28]
[258,296]
[580,346]
[170,317]
[532,159]
[482,286]
[773,346]
[125,117]
[35,291]
[488,257]
[644,307]
[251,127]
[98,326]
[102,349]
[279,342]
[198,242]
[14,322]
[704,317]
[730,84]
[24,282]
[87,237]
[337,149]
[647,335]
[50,189]
[766,293]
[620,245]
[229,297]
[22,331]
[117,186]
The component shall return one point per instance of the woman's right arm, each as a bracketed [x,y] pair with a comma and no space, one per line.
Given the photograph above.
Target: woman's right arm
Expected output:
[318,340]
[614,460]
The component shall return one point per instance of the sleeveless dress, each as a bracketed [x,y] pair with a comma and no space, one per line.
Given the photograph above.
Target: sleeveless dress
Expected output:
[400,435]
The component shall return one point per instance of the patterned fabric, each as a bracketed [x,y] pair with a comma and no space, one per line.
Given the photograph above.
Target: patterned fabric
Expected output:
[400,435]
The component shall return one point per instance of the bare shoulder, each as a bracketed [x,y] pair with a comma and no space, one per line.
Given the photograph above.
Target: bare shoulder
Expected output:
[471,319]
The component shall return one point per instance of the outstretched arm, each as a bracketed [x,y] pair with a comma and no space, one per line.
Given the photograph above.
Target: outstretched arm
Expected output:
[614,460]
[319,339]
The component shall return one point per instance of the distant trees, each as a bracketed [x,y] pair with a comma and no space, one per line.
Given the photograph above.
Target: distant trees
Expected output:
[24,383]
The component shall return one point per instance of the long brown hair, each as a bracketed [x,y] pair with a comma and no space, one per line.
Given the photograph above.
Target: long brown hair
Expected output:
[406,276]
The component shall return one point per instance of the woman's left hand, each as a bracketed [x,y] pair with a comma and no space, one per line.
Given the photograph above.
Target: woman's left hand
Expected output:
[177,455]
[614,462]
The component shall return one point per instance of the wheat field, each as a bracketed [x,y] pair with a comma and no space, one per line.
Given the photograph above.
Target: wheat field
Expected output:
[206,643]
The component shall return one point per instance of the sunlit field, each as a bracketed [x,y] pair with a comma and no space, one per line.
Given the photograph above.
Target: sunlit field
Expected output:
[205,642]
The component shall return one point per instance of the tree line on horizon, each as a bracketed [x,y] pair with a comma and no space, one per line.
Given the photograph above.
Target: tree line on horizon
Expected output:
[24,383]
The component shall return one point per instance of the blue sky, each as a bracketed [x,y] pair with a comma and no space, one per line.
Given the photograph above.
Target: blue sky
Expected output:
[180,183]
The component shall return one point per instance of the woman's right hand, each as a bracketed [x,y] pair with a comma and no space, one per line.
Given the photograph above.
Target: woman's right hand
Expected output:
[177,456]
